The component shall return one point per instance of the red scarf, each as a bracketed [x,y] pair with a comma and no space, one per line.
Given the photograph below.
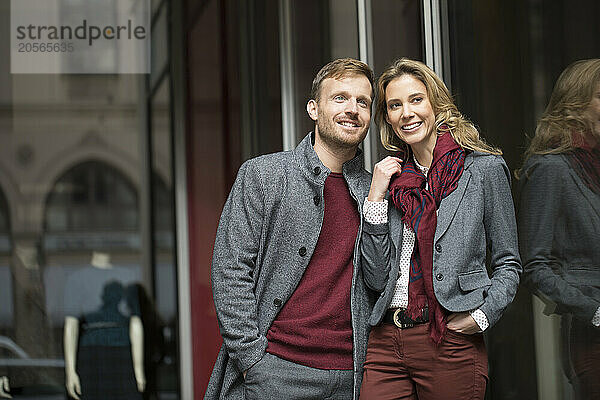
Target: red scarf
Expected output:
[418,206]
[585,160]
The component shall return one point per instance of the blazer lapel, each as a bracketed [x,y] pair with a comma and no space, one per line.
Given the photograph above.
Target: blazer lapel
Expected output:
[590,196]
[450,204]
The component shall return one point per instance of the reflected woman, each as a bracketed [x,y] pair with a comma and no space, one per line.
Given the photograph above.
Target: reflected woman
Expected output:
[559,218]
[425,253]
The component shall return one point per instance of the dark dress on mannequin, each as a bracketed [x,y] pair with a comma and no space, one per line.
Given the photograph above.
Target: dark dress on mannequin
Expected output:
[104,361]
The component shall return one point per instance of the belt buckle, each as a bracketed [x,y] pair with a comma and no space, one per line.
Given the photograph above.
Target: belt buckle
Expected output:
[397,322]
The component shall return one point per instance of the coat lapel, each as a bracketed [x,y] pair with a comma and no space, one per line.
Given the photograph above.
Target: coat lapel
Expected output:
[590,196]
[450,204]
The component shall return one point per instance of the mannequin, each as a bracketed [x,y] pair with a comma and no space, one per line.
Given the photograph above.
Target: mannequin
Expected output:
[104,346]
[71,335]
[4,388]
[136,336]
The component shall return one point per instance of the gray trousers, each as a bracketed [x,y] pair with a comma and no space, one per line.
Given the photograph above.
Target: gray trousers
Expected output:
[273,378]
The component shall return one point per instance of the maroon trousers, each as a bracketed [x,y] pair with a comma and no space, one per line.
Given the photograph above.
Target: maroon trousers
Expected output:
[406,364]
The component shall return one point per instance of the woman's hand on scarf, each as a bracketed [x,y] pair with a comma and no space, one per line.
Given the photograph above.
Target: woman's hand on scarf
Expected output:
[463,323]
[382,174]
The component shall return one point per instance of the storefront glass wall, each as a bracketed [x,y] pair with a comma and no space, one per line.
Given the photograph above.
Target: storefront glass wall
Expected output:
[161,348]
[503,59]
[397,31]
[86,233]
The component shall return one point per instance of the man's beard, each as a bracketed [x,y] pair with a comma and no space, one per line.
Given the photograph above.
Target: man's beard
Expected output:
[331,134]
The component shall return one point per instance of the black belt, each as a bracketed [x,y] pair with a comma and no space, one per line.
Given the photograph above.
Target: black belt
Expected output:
[398,317]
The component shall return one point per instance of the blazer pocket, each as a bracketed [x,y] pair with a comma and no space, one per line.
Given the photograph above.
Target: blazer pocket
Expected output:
[583,275]
[472,280]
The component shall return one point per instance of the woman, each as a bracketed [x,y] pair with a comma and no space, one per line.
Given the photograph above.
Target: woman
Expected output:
[559,218]
[426,252]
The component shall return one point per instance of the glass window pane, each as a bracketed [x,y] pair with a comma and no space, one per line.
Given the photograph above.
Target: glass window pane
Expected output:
[159,46]
[100,193]
[397,28]
[72,254]
[316,41]
[505,58]
[397,32]
[164,309]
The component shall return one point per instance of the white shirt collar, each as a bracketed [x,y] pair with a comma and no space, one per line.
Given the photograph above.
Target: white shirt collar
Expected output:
[424,170]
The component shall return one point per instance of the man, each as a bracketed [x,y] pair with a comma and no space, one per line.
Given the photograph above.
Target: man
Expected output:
[287,286]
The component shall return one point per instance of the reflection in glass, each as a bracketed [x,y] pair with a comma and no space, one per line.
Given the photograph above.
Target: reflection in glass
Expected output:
[160,315]
[6,300]
[397,32]
[91,197]
[321,31]
[4,387]
[559,220]
[71,178]
[6,308]
[103,336]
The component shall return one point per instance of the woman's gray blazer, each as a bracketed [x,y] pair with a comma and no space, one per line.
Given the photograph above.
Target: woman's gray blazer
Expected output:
[267,233]
[477,215]
[559,228]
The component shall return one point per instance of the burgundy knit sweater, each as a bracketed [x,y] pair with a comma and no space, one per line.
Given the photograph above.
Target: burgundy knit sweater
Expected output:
[314,326]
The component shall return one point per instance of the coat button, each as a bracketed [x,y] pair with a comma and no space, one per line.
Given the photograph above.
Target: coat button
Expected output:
[317,200]
[317,170]
[438,248]
[277,302]
[439,277]
[302,251]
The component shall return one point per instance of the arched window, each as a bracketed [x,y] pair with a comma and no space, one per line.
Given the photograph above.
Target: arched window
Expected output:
[92,197]
[92,206]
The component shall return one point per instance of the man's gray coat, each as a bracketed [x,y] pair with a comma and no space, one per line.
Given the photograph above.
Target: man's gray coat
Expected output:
[478,215]
[266,237]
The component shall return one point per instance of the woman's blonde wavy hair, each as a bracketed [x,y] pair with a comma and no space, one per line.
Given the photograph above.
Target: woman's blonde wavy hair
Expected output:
[565,113]
[444,109]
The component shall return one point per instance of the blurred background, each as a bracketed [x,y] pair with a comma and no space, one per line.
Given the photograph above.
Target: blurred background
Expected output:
[127,174]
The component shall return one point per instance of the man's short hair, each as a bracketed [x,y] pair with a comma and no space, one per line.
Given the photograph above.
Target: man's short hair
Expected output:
[337,69]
